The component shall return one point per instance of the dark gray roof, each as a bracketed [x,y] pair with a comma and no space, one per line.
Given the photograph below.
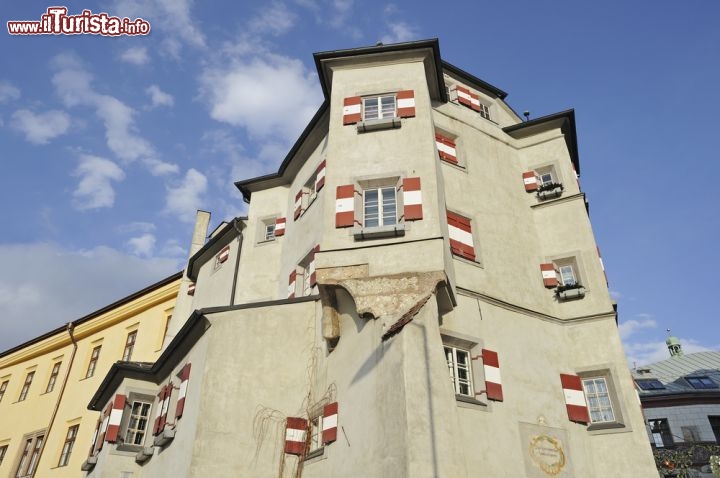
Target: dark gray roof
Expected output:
[672,372]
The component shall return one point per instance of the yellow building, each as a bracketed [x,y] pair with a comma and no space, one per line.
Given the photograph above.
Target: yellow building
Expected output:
[45,384]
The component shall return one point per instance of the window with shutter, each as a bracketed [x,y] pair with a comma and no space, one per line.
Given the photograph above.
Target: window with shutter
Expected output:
[461,237]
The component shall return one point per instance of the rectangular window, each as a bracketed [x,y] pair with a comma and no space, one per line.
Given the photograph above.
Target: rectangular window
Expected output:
[53,377]
[129,346]
[715,425]
[462,243]
[94,356]
[315,434]
[650,384]
[458,362]
[660,432]
[379,207]
[701,382]
[137,423]
[3,388]
[546,178]
[3,451]
[567,275]
[68,445]
[378,107]
[598,400]
[30,455]
[26,386]
[270,231]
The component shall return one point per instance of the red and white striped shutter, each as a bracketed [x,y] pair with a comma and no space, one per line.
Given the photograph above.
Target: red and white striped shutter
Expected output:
[191,289]
[295,433]
[406,104]
[320,176]
[329,423]
[412,199]
[602,265]
[475,102]
[291,284]
[103,427]
[345,206]
[224,254]
[116,413]
[549,275]
[93,443]
[184,376]
[467,98]
[446,148]
[158,412]
[352,110]
[311,266]
[574,398]
[298,205]
[280,226]
[461,239]
[493,380]
[530,180]
[166,405]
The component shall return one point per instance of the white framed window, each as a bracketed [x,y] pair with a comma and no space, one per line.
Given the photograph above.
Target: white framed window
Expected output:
[567,274]
[30,454]
[379,107]
[459,365]
[53,377]
[26,386]
[379,206]
[309,192]
[68,445]
[315,434]
[269,231]
[545,178]
[129,345]
[660,431]
[94,356]
[598,400]
[139,416]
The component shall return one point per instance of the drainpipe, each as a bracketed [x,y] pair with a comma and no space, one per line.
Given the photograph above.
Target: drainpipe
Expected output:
[69,328]
[237,263]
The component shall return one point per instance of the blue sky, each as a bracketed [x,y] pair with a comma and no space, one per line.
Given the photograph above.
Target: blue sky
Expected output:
[109,144]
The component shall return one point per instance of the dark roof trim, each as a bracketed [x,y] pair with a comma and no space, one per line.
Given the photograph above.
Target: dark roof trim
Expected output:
[432,43]
[679,398]
[244,185]
[474,79]
[62,329]
[568,129]
[186,337]
[214,242]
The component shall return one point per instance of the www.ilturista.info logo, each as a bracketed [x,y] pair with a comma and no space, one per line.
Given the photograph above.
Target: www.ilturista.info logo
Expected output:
[57,22]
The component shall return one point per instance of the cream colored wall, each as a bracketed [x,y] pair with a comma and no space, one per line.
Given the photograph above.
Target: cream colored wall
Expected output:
[146,314]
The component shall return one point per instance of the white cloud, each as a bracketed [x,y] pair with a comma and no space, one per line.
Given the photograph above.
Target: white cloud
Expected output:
[137,226]
[158,97]
[95,189]
[173,18]
[272,96]
[172,248]
[186,197]
[8,92]
[274,19]
[136,55]
[160,168]
[42,127]
[644,353]
[629,327]
[399,32]
[36,281]
[143,245]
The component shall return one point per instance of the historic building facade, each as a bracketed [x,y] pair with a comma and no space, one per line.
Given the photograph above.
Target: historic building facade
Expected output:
[45,426]
[416,292]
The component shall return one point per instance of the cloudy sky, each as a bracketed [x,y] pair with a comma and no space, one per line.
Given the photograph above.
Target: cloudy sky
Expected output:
[110,144]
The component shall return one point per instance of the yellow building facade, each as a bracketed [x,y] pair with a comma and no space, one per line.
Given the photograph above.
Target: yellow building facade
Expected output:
[46,429]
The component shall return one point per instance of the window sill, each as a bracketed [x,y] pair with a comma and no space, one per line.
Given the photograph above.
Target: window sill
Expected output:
[607,428]
[475,262]
[315,454]
[395,230]
[377,124]
[457,166]
[266,241]
[465,401]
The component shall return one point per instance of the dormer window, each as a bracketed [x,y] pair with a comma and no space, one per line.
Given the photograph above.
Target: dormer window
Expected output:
[701,383]
[650,384]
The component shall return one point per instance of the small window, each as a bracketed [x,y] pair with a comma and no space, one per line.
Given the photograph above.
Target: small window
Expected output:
[309,192]
[379,107]
[137,422]
[3,452]
[598,399]
[53,377]
[305,277]
[94,356]
[462,243]
[660,431]
[650,384]
[567,275]
[26,386]
[546,178]
[129,346]
[68,445]
[701,382]
[3,388]
[269,231]
[715,425]
[379,207]
[30,455]
[316,443]
[459,366]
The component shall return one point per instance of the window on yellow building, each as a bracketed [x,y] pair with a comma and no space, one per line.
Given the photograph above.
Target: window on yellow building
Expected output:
[3,387]
[53,377]
[26,386]
[68,445]
[30,455]
[94,356]
[129,345]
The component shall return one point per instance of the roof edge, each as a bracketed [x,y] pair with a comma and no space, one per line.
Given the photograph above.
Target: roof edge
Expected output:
[474,79]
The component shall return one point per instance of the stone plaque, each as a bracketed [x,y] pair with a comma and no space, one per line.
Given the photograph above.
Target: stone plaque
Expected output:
[545,451]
